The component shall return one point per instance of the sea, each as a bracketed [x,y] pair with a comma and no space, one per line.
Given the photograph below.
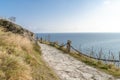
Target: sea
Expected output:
[108,43]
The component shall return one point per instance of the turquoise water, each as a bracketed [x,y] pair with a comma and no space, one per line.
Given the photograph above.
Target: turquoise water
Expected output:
[85,42]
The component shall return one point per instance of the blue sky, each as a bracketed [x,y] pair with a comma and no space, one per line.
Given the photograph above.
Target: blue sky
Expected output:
[64,15]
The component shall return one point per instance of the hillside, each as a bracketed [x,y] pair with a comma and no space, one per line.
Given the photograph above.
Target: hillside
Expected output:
[20,57]
[14,28]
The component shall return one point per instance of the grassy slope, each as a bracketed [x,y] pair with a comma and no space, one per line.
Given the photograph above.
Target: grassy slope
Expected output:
[20,59]
[108,68]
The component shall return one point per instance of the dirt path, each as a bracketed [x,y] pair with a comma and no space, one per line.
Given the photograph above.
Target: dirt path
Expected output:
[69,68]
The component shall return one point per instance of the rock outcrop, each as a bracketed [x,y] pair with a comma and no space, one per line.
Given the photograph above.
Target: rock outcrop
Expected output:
[14,28]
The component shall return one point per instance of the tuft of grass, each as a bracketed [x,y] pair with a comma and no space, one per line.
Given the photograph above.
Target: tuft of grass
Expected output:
[12,67]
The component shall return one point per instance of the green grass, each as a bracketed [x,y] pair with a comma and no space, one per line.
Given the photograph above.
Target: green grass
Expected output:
[108,68]
[20,59]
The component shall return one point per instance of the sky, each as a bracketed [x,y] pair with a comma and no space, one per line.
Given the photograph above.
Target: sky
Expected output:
[64,16]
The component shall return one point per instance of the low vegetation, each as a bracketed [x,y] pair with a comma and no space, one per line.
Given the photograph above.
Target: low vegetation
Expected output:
[109,68]
[20,59]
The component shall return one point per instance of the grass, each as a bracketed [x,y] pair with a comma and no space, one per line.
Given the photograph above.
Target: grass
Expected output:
[108,68]
[20,59]
[12,67]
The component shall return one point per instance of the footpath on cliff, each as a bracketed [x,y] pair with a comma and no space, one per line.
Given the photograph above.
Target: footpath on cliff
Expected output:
[68,68]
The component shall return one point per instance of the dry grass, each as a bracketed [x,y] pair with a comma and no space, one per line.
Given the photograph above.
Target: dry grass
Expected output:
[20,59]
[13,68]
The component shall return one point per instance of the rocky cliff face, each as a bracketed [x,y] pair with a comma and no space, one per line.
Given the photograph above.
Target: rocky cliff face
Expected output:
[14,28]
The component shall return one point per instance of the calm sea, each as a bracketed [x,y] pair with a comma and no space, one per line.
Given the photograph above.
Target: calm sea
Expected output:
[85,42]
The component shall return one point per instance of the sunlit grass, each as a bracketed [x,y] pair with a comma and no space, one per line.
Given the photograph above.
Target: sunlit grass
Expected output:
[20,59]
[14,68]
